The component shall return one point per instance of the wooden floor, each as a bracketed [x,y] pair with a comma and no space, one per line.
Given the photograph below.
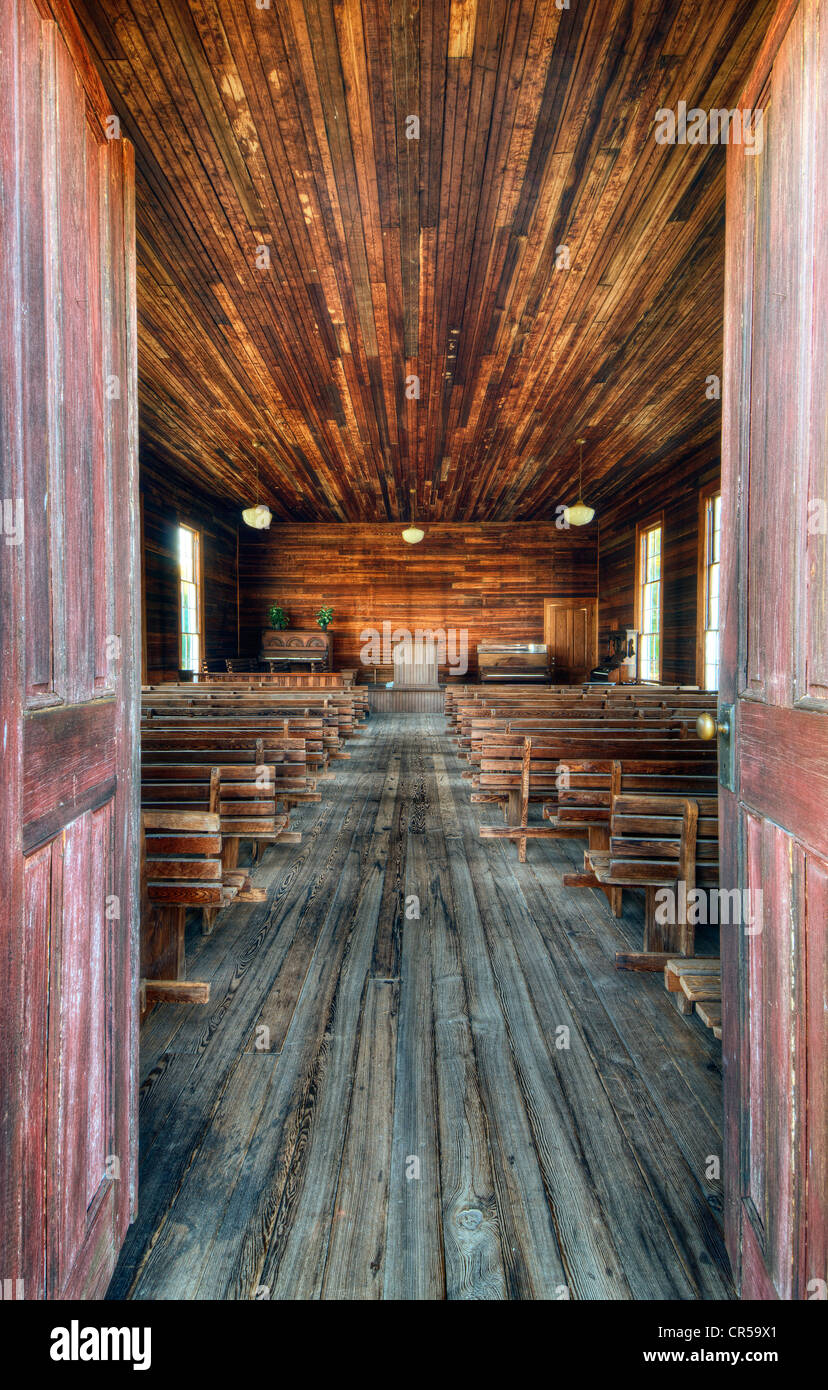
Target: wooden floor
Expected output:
[471,1103]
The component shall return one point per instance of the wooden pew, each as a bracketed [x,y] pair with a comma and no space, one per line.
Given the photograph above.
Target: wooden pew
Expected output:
[600,725]
[532,700]
[242,798]
[266,689]
[229,744]
[587,789]
[502,754]
[579,708]
[339,713]
[546,769]
[656,842]
[321,732]
[321,740]
[180,862]
[536,702]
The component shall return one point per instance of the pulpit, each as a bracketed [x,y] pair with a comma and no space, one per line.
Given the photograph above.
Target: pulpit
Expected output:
[415,664]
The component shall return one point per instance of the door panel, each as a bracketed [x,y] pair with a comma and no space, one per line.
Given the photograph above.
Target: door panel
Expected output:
[815,911]
[68,675]
[774,827]
[79,1035]
[771,1004]
[570,632]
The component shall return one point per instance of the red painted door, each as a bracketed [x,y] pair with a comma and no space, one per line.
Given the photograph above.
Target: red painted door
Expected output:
[774,683]
[68,650]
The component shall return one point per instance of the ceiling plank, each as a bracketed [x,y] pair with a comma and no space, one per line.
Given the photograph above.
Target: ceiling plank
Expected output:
[354,307]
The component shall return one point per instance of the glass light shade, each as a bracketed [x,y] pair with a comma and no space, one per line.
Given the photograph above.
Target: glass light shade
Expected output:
[259,517]
[579,515]
[412,534]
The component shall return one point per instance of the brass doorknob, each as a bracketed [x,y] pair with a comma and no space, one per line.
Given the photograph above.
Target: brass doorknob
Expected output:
[707,727]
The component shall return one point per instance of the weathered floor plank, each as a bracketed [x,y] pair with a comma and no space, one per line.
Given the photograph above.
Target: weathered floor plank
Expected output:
[377,1102]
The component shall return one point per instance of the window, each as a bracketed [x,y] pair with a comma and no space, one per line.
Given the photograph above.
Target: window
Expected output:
[648,590]
[710,549]
[189,564]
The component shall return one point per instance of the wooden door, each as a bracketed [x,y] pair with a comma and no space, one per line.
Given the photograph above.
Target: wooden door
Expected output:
[68,652]
[570,631]
[774,670]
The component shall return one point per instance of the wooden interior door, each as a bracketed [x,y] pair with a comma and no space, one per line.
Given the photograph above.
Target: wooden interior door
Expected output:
[774,670]
[69,647]
[570,631]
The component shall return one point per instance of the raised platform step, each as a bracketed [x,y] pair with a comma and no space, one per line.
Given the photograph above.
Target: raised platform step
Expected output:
[404,699]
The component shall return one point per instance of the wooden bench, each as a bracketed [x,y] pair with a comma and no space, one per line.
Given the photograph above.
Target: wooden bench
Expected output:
[339,715]
[600,725]
[267,688]
[319,729]
[669,766]
[321,740]
[180,868]
[243,796]
[655,842]
[501,780]
[244,801]
[216,672]
[586,789]
[539,704]
[226,745]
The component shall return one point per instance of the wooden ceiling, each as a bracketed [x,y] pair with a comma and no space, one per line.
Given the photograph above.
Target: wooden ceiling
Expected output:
[392,257]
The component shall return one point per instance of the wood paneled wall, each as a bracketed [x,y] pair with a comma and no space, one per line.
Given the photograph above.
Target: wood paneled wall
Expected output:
[486,578]
[675,492]
[165,504]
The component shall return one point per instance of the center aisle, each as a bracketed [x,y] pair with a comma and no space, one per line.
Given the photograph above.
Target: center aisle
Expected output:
[420,1075]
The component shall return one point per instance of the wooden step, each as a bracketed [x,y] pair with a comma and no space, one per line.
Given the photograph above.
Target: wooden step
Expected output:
[710,1013]
[678,966]
[174,992]
[696,987]
[696,980]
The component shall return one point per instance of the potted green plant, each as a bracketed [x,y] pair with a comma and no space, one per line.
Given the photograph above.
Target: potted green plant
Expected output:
[324,618]
[278,617]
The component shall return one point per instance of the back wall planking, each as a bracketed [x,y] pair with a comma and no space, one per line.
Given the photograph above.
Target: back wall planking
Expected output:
[488,578]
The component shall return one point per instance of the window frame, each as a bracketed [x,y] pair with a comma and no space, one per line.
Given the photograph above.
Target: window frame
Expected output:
[198,583]
[706,496]
[641,529]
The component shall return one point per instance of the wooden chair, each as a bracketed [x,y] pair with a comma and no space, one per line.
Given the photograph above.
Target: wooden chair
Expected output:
[242,663]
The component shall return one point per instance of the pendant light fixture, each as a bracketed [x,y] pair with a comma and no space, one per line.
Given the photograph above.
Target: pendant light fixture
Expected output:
[580,514]
[412,533]
[258,516]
